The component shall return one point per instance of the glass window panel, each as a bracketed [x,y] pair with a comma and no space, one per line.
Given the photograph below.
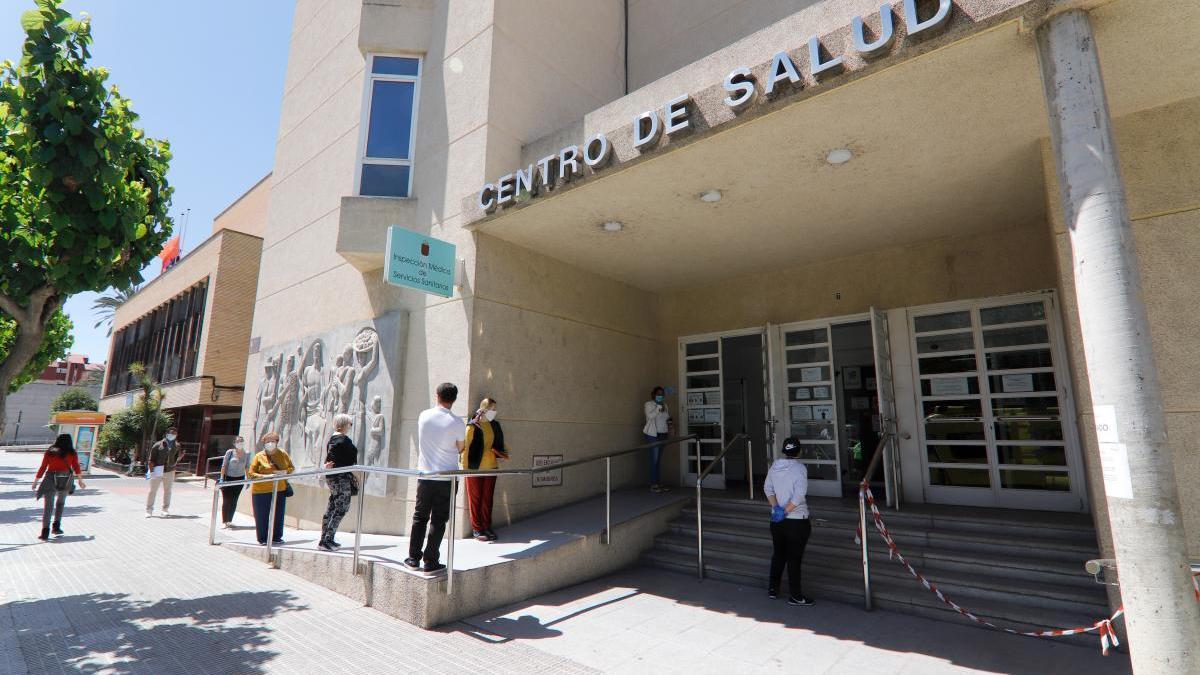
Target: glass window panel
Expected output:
[703,365]
[818,451]
[936,365]
[959,477]
[1032,358]
[954,431]
[703,381]
[1033,406]
[814,354]
[808,374]
[701,348]
[1028,431]
[1039,455]
[395,65]
[927,386]
[812,431]
[821,471]
[958,408]
[1029,311]
[806,337]
[1023,382]
[390,126]
[954,342]
[957,454]
[384,180]
[704,430]
[1012,337]
[926,324]
[1056,481]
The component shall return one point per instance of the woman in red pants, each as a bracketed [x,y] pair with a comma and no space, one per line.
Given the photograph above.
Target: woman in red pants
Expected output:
[484,449]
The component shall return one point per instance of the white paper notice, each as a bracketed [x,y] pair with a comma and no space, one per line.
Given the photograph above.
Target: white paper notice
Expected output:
[1114,462]
[1106,424]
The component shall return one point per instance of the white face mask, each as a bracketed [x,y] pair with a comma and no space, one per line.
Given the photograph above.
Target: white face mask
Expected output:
[239,445]
[269,445]
[170,437]
[490,415]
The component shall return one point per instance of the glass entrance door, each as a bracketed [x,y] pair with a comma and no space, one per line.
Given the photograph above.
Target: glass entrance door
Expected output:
[703,407]
[810,408]
[995,408]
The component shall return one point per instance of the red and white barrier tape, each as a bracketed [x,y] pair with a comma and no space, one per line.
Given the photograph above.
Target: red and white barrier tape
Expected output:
[1103,627]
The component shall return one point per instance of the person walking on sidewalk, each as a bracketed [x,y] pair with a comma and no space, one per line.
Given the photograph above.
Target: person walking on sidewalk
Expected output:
[657,428]
[60,466]
[272,460]
[339,452]
[233,468]
[787,491]
[160,469]
[440,436]
[483,449]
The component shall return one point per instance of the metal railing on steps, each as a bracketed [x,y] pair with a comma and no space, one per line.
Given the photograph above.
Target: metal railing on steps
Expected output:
[452,477]
[701,474]
[872,467]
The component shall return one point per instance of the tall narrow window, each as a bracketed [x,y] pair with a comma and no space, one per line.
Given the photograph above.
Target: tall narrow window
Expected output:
[385,168]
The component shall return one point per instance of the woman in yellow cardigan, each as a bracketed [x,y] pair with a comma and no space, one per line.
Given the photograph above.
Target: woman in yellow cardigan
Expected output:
[270,461]
[484,448]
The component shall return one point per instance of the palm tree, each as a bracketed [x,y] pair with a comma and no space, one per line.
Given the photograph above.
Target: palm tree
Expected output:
[106,306]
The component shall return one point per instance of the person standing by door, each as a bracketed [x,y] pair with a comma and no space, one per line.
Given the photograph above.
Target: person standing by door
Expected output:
[786,488]
[233,468]
[440,436]
[60,466]
[483,449]
[657,428]
[160,469]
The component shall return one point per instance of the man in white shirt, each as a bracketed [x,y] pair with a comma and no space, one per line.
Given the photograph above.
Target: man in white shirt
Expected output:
[787,491]
[440,436]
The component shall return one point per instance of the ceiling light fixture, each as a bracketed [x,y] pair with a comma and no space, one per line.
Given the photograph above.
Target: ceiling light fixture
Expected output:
[612,226]
[839,156]
[711,196]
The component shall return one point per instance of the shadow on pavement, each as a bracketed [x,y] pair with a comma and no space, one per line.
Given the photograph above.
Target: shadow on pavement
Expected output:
[114,633]
[498,630]
[34,514]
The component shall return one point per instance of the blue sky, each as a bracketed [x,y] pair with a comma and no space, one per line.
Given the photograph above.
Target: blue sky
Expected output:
[208,77]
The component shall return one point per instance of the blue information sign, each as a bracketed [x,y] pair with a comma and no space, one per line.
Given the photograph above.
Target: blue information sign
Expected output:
[419,261]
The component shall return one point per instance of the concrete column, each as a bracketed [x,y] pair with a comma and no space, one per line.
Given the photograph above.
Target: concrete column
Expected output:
[1162,616]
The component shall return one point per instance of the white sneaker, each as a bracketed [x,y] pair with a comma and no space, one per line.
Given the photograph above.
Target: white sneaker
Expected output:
[149,514]
[166,514]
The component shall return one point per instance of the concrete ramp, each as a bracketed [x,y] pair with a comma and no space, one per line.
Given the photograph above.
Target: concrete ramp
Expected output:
[535,556]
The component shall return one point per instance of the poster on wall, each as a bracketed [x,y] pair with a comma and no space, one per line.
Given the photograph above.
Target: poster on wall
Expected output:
[801,394]
[712,415]
[852,377]
[552,478]
[1013,384]
[695,398]
[821,393]
[949,386]
[695,415]
[811,374]
[712,398]
[823,412]
[802,413]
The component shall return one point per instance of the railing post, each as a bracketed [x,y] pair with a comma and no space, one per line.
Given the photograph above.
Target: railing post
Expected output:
[271,522]
[608,501]
[453,533]
[212,522]
[362,498]
[699,515]
[750,466]
[866,561]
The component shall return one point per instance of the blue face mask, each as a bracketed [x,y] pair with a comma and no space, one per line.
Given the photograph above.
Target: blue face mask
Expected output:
[659,398]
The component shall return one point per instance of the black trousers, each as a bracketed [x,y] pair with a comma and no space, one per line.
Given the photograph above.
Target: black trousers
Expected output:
[229,499]
[433,510]
[790,536]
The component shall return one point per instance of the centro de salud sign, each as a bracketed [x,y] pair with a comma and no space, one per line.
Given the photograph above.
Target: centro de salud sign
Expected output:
[742,87]
[419,261]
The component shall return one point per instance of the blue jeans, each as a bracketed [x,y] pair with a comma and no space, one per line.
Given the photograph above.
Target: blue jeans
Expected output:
[655,456]
[262,515]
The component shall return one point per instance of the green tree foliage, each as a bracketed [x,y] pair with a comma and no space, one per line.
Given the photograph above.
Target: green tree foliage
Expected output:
[106,306]
[74,399]
[125,429]
[54,346]
[83,192]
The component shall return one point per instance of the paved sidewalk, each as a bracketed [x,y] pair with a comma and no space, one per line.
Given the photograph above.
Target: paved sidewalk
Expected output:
[124,594]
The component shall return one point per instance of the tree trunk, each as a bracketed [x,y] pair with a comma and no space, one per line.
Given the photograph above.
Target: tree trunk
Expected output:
[31,330]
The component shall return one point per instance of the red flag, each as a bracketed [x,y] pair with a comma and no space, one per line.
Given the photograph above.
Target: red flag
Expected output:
[170,253]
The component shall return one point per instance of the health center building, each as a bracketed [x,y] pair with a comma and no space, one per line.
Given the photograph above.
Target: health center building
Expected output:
[812,218]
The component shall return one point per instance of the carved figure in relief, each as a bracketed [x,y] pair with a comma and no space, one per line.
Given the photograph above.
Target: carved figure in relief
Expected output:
[312,409]
[366,354]
[268,391]
[288,405]
[376,427]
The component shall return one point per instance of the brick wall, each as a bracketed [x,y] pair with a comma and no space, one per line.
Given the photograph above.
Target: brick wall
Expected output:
[226,342]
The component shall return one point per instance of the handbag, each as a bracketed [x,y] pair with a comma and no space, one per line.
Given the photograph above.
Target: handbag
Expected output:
[287,492]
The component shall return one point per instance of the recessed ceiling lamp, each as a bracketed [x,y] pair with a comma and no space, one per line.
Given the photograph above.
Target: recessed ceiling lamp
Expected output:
[612,226]
[711,196]
[839,156]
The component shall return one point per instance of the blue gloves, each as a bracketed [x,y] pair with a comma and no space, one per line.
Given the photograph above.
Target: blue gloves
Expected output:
[778,514]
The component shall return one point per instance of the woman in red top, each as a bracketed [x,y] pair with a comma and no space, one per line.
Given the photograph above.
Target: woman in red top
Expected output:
[60,465]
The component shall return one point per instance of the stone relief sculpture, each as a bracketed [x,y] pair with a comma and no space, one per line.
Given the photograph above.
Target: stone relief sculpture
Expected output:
[300,399]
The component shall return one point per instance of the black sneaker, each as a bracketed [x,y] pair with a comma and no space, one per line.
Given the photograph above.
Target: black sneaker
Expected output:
[479,536]
[56,530]
[412,563]
[491,535]
[800,601]
[335,544]
[431,568]
[326,546]
[772,593]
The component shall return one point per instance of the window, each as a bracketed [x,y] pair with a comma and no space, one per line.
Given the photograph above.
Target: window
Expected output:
[166,341]
[389,122]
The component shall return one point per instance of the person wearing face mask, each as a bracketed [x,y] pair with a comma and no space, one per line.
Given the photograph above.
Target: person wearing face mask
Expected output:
[483,449]
[339,452]
[160,469]
[271,461]
[657,428]
[233,468]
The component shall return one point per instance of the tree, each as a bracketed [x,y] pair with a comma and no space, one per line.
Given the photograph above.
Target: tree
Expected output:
[55,343]
[106,306]
[83,192]
[74,399]
[125,429]
[151,400]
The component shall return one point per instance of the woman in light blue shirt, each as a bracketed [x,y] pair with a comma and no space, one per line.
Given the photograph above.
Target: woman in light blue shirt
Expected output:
[787,491]
[233,468]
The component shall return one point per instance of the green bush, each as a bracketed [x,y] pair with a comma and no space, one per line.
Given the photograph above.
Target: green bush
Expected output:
[75,399]
[122,433]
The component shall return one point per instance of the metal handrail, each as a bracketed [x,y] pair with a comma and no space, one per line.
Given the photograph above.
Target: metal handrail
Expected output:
[208,471]
[453,476]
[872,466]
[700,476]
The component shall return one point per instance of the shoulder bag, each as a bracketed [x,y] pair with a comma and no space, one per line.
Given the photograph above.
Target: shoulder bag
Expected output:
[288,492]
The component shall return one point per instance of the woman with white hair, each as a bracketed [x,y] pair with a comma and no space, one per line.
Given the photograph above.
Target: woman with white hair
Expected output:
[339,452]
